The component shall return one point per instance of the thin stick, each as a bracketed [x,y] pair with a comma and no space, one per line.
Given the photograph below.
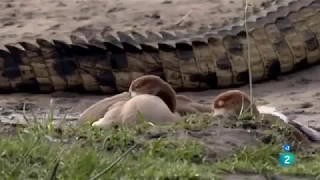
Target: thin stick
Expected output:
[183,18]
[248,56]
[24,113]
[242,106]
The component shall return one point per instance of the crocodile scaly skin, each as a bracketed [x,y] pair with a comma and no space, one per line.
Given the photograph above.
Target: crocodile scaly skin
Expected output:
[283,37]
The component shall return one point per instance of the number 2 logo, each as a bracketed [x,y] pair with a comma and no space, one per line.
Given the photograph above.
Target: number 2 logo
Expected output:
[287,158]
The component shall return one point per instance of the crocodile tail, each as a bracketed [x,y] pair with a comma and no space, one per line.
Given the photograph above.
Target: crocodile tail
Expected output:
[272,111]
[312,134]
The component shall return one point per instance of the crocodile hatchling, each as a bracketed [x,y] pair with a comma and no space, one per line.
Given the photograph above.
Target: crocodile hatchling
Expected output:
[283,37]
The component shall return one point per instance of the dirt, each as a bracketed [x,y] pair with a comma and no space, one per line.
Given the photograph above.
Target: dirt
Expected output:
[296,94]
[27,20]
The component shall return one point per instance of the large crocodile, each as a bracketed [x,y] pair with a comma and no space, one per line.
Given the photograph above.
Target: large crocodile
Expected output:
[283,38]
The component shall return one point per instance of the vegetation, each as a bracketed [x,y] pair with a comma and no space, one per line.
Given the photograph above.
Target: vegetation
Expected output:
[197,148]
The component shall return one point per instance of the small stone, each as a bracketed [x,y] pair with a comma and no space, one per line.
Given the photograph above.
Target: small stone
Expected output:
[167,2]
[306,105]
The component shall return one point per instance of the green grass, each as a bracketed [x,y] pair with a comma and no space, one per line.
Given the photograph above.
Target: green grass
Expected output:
[146,152]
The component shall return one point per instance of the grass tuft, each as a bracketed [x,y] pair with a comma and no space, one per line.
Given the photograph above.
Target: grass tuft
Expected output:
[190,149]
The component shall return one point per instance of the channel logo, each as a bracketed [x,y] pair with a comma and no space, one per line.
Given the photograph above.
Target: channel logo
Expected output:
[287,158]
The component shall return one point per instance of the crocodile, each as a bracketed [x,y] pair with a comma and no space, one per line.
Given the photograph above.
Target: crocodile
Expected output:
[281,38]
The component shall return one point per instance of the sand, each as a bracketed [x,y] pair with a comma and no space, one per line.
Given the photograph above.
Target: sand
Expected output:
[27,20]
[295,94]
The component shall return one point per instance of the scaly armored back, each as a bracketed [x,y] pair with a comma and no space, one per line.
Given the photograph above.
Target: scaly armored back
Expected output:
[283,37]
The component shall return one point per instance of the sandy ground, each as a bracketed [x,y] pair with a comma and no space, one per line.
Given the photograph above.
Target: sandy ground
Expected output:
[297,94]
[26,20]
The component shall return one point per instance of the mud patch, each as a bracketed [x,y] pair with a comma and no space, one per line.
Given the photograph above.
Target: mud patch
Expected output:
[223,138]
